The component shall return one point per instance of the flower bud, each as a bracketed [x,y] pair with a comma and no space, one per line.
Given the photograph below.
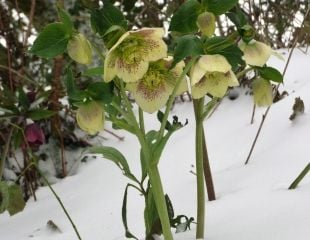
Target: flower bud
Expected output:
[262,91]
[247,33]
[79,49]
[90,117]
[206,23]
[34,136]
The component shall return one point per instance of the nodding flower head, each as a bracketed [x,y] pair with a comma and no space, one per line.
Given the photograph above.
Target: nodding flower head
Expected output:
[90,117]
[34,135]
[152,91]
[79,49]
[206,23]
[212,74]
[262,91]
[130,57]
[256,53]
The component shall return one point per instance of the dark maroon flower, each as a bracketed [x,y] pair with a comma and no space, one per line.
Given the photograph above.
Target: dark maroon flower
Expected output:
[34,134]
[31,96]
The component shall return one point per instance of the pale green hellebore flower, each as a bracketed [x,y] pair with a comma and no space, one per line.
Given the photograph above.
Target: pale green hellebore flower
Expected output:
[129,58]
[90,117]
[206,23]
[262,91]
[79,49]
[212,74]
[152,91]
[256,53]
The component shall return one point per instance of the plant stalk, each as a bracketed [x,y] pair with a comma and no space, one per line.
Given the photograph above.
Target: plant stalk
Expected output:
[300,177]
[152,170]
[198,107]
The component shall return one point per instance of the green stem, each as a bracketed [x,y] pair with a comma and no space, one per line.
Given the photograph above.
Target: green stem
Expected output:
[300,177]
[172,97]
[243,72]
[160,201]
[153,172]
[5,152]
[198,107]
[141,121]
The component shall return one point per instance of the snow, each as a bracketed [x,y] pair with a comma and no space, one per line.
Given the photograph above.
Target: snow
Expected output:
[253,202]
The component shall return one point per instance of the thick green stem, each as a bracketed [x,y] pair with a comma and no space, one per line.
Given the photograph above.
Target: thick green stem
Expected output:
[160,201]
[153,172]
[198,107]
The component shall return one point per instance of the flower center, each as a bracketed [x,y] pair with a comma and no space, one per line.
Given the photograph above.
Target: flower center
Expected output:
[153,79]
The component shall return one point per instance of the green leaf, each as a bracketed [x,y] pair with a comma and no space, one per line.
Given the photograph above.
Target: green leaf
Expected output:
[270,73]
[4,196]
[227,48]
[218,7]
[188,45]
[92,72]
[16,200]
[66,20]
[115,156]
[108,16]
[11,198]
[23,99]
[101,91]
[128,234]
[184,19]
[238,18]
[39,114]
[75,95]
[52,41]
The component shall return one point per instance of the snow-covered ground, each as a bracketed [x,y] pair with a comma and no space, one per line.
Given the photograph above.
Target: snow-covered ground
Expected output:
[253,202]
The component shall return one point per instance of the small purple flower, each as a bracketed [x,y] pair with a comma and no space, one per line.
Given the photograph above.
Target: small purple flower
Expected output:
[34,134]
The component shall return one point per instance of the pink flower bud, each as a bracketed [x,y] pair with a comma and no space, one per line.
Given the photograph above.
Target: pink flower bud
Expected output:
[34,134]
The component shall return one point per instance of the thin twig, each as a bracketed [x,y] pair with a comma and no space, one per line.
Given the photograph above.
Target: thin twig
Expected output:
[276,89]
[59,201]
[114,134]
[253,114]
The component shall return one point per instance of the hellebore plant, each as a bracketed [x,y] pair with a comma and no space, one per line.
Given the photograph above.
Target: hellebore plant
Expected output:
[139,62]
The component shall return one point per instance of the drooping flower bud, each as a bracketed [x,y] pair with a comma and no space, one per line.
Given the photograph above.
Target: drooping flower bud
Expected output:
[34,134]
[90,117]
[247,33]
[79,49]
[262,91]
[206,23]
[255,53]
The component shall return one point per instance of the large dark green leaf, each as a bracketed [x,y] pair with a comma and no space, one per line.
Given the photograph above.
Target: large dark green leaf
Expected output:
[184,19]
[219,7]
[187,46]
[39,114]
[108,16]
[52,41]
[11,198]
[101,91]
